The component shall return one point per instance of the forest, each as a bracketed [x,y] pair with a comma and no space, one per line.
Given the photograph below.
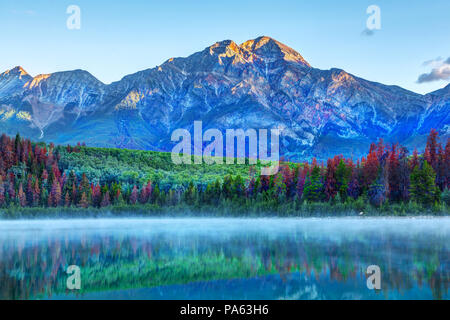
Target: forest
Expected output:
[39,179]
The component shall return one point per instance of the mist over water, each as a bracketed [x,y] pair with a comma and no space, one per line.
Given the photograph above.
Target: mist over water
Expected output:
[226,258]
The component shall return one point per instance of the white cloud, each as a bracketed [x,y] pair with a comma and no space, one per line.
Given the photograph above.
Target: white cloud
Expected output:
[440,70]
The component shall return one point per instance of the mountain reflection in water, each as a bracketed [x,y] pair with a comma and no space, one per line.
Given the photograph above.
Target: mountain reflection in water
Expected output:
[219,258]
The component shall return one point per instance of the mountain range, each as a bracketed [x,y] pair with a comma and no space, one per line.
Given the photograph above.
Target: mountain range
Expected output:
[260,83]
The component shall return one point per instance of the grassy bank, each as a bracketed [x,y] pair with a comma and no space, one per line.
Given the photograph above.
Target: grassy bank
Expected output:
[230,209]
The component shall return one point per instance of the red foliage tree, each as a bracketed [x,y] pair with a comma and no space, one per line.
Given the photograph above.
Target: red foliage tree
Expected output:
[431,149]
[36,192]
[393,174]
[21,196]
[370,167]
[55,194]
[105,200]
[134,195]
[83,203]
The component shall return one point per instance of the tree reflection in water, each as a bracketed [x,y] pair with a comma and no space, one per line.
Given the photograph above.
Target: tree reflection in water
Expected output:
[33,265]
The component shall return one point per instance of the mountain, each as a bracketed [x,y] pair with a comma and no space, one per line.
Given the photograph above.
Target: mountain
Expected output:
[260,83]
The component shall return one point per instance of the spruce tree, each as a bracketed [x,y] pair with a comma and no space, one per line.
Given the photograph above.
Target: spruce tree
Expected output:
[313,187]
[342,177]
[423,188]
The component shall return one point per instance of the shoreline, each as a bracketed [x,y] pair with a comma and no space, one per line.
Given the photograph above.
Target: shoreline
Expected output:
[152,211]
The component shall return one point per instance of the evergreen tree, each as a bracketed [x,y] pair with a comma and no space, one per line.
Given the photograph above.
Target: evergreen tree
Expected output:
[423,187]
[22,197]
[68,184]
[190,194]
[55,194]
[134,195]
[105,200]
[36,193]
[371,166]
[83,201]
[67,200]
[2,193]
[313,186]
[156,195]
[237,188]
[342,178]
[377,193]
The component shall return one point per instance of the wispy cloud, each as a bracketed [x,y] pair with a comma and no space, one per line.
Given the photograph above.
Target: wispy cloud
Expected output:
[367,32]
[433,61]
[440,70]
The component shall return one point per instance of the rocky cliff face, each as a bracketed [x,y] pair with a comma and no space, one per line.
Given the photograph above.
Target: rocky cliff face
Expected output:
[258,84]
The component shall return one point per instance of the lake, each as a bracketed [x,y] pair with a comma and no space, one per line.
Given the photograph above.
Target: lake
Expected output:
[225,258]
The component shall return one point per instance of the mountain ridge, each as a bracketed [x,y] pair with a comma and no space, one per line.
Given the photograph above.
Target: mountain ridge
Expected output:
[260,83]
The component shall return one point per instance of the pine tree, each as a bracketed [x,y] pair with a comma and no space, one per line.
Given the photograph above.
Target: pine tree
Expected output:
[313,187]
[377,193]
[156,195]
[67,200]
[22,196]
[74,194]
[145,193]
[134,195]
[330,179]
[354,186]
[55,194]
[447,164]
[393,172]
[29,193]
[11,189]
[238,188]
[190,194]
[423,187]
[44,197]
[118,199]
[2,193]
[83,201]
[85,186]
[105,200]
[289,180]
[431,149]
[414,160]
[301,176]
[36,193]
[342,177]
[96,195]
[371,166]
[68,184]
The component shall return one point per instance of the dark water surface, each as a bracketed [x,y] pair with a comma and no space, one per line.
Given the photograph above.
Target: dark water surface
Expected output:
[220,258]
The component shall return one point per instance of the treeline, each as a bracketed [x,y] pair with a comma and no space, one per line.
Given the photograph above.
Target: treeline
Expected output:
[33,175]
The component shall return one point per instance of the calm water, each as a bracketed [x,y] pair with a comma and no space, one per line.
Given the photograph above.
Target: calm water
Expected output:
[214,258]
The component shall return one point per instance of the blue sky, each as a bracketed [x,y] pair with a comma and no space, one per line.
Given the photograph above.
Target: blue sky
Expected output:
[117,39]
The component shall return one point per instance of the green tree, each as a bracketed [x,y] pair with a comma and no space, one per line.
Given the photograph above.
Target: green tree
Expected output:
[313,186]
[190,194]
[342,176]
[423,188]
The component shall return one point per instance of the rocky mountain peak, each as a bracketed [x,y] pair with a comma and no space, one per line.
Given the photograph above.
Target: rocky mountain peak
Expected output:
[271,50]
[12,81]
[231,51]
[17,71]
[77,78]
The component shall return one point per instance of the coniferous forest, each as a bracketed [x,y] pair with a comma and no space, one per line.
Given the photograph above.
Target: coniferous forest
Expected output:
[39,179]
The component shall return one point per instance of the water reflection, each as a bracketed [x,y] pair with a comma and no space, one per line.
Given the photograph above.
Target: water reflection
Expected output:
[225,258]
